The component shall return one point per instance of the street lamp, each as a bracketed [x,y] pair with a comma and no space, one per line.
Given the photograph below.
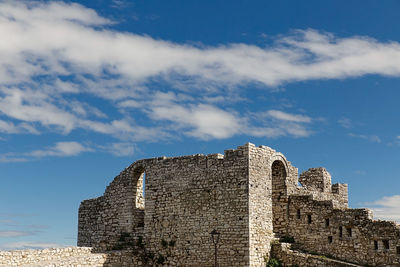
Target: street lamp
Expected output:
[215,238]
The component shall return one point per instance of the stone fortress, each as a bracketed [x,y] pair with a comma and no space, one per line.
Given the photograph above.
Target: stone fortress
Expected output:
[161,211]
[252,197]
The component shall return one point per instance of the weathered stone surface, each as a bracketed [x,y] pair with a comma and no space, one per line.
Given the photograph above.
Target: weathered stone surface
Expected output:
[291,257]
[60,257]
[250,195]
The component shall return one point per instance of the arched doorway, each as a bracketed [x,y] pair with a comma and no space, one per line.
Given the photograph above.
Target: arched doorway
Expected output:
[140,191]
[279,196]
[139,194]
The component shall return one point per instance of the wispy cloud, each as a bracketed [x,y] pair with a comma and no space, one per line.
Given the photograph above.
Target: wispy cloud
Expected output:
[387,208]
[29,245]
[120,149]
[280,115]
[7,233]
[69,149]
[60,149]
[370,138]
[345,123]
[276,123]
[42,78]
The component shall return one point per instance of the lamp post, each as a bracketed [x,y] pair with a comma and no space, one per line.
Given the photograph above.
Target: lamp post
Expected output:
[215,238]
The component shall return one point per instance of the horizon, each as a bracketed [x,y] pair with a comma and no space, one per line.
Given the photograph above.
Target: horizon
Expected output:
[89,87]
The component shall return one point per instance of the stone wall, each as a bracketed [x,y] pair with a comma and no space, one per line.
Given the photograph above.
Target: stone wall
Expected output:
[185,199]
[316,179]
[348,234]
[249,195]
[291,258]
[72,256]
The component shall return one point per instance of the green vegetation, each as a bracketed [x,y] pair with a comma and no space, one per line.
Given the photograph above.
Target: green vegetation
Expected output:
[273,263]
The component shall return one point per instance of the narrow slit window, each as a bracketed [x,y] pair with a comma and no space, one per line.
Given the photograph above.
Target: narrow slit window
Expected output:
[398,250]
[340,231]
[330,239]
[298,214]
[376,245]
[309,219]
[385,244]
[327,222]
[349,232]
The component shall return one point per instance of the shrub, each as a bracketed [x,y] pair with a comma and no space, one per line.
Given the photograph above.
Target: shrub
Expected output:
[274,263]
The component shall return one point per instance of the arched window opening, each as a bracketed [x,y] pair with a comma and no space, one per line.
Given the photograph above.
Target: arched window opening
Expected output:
[279,196]
[140,191]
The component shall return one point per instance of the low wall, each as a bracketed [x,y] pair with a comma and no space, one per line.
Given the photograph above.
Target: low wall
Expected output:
[71,256]
[290,257]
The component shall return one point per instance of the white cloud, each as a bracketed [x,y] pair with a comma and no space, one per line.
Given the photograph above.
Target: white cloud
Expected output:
[69,149]
[371,138]
[61,149]
[121,149]
[29,245]
[11,157]
[206,121]
[387,208]
[202,121]
[280,115]
[11,128]
[279,123]
[76,47]
[55,52]
[14,233]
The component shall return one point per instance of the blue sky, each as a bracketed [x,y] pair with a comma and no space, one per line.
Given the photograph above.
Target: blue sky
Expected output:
[88,87]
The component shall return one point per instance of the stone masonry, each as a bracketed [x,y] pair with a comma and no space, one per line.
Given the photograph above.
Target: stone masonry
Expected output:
[161,211]
[251,196]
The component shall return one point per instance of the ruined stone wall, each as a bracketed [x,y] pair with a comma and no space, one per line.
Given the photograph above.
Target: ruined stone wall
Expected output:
[316,179]
[249,195]
[288,257]
[348,234]
[72,256]
[317,182]
[185,199]
[188,197]
[102,220]
[260,206]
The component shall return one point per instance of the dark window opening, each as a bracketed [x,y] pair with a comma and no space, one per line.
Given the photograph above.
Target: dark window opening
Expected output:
[309,219]
[349,231]
[385,244]
[340,231]
[298,214]
[330,239]
[398,250]
[327,222]
[376,245]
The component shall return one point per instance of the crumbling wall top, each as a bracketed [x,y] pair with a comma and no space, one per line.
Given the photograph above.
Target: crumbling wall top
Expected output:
[317,179]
